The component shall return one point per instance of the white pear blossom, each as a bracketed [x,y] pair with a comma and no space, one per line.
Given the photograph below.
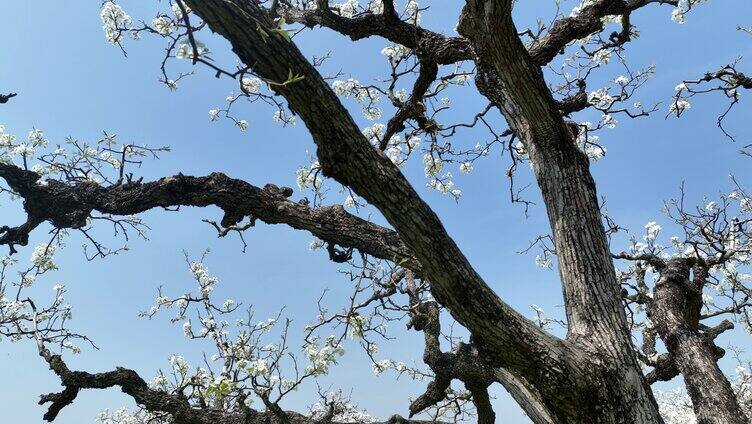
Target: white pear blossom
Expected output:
[432,165]
[622,80]
[185,50]
[163,25]
[578,9]
[348,9]
[679,106]
[376,6]
[412,11]
[114,18]
[24,150]
[258,367]
[543,261]
[602,56]
[601,98]
[609,120]
[36,138]
[280,118]
[395,52]
[316,244]
[746,205]
[651,230]
[251,85]
[176,8]
[42,257]
[72,347]
[322,357]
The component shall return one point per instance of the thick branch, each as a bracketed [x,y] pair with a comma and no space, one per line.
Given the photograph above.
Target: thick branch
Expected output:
[68,206]
[347,156]
[447,50]
[5,97]
[429,45]
[587,21]
[154,400]
[464,364]
[414,108]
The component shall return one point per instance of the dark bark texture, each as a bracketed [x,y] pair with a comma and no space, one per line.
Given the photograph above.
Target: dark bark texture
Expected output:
[675,311]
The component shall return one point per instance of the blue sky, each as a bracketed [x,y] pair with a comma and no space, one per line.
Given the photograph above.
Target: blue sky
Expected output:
[71,82]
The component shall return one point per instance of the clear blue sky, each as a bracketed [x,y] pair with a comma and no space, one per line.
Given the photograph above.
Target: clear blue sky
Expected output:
[71,82]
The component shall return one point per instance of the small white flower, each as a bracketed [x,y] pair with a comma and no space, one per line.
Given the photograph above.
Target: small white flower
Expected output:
[609,121]
[432,166]
[251,85]
[679,106]
[395,52]
[381,366]
[466,167]
[602,56]
[36,138]
[163,25]
[651,230]
[543,262]
[73,348]
[622,80]
[678,16]
[316,244]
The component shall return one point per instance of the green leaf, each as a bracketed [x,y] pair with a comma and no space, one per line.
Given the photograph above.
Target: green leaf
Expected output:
[283,32]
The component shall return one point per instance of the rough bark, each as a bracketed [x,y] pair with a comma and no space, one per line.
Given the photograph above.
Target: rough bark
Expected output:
[587,21]
[509,339]
[180,410]
[464,364]
[596,319]
[442,50]
[675,311]
[525,395]
[69,205]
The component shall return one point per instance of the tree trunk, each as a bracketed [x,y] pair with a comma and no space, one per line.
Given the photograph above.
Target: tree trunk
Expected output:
[675,312]
[595,314]
[591,378]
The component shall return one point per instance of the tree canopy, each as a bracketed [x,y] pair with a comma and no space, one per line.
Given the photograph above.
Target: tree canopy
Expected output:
[408,118]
